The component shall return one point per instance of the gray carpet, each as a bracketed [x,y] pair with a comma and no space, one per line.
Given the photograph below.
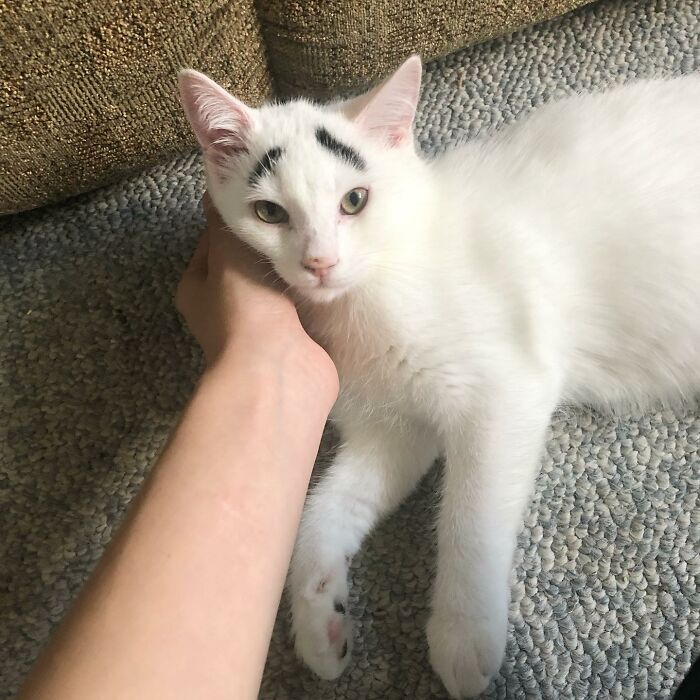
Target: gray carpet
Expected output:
[95,366]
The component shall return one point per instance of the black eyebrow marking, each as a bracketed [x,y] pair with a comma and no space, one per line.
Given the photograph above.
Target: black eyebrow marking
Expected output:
[266,165]
[340,149]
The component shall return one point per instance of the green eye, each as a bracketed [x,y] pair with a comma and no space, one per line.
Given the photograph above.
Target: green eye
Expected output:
[354,201]
[269,212]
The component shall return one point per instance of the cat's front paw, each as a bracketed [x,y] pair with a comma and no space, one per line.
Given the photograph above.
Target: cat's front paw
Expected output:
[321,625]
[466,651]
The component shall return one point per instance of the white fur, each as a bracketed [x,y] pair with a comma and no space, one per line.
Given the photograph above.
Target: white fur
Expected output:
[556,261]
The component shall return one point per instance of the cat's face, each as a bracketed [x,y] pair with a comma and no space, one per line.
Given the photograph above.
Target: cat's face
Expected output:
[309,187]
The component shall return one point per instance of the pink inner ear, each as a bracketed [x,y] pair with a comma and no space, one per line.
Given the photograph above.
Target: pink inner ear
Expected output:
[398,136]
[221,123]
[390,109]
[223,148]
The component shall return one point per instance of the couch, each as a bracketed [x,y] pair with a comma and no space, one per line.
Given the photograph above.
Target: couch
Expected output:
[88,92]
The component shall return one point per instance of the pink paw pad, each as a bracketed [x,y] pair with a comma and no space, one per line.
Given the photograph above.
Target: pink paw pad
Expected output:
[335,630]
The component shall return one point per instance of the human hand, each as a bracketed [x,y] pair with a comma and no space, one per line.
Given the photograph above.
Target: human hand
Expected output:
[233,302]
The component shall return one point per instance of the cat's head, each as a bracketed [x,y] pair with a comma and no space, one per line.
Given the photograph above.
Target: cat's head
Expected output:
[317,189]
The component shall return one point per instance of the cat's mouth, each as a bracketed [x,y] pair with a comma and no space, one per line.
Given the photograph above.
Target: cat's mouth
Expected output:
[323,290]
[316,287]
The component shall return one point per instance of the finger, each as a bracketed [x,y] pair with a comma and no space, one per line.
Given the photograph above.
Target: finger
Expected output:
[200,257]
[219,234]
[211,213]
[228,251]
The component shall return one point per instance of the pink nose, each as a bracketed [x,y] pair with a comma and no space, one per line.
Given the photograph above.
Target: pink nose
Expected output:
[319,266]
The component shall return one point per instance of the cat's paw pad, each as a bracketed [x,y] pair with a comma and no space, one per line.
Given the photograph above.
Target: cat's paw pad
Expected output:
[322,627]
[466,652]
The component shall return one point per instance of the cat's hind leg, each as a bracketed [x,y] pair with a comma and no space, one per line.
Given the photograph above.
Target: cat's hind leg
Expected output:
[378,465]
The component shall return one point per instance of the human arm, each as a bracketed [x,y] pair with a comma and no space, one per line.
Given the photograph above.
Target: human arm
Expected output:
[183,602]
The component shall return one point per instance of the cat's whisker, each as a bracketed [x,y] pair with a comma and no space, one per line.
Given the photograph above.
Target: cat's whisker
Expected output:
[269,276]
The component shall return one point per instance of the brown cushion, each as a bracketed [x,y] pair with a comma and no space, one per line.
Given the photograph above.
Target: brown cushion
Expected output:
[89,88]
[318,48]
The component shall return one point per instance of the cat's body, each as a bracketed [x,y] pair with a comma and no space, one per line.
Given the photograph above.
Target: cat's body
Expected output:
[557,261]
[570,238]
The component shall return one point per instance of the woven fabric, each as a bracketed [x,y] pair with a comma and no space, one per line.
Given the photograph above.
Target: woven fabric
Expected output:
[89,89]
[319,47]
[94,367]
[89,94]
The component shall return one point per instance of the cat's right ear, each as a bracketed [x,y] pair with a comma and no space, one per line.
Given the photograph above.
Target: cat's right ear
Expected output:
[222,124]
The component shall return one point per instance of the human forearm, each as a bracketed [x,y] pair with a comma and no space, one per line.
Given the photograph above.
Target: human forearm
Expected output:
[183,604]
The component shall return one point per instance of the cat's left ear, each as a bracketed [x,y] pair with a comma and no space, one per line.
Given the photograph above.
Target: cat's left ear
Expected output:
[388,110]
[222,124]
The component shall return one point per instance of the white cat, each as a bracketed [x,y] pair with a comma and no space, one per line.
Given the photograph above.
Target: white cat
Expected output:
[462,299]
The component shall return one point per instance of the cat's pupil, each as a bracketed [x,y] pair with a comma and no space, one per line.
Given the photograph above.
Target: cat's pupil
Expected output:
[354,198]
[271,208]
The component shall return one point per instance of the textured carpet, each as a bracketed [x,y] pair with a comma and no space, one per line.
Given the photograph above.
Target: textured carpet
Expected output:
[95,366]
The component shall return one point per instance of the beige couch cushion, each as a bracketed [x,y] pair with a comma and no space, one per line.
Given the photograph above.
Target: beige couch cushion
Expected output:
[88,90]
[322,46]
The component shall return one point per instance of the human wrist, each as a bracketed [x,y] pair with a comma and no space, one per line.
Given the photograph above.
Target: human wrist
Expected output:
[296,365]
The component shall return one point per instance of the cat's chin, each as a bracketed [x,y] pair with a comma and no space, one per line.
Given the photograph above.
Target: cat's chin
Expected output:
[321,294]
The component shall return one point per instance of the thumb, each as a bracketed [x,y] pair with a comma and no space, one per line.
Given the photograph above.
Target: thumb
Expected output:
[199,262]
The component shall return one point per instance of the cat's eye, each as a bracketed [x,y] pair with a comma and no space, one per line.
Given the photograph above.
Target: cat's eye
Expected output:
[354,201]
[270,212]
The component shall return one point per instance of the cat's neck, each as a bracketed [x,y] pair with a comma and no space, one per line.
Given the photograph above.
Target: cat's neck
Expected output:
[351,328]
